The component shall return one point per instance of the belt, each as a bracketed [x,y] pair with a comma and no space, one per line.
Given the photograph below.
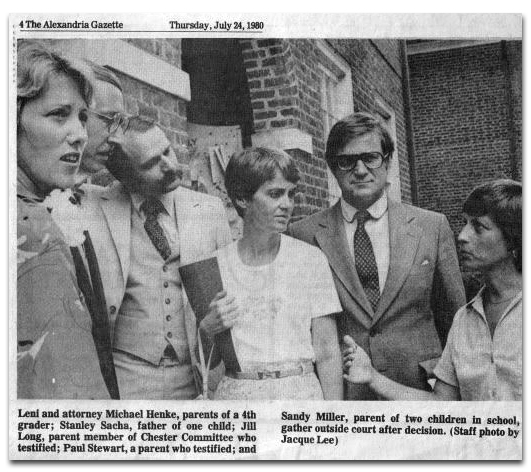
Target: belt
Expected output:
[305,367]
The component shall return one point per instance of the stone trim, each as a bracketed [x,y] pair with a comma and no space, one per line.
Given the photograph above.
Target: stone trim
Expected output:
[134,62]
[426,47]
[284,138]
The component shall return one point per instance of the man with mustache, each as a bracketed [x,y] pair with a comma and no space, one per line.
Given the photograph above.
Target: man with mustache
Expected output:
[394,265]
[144,227]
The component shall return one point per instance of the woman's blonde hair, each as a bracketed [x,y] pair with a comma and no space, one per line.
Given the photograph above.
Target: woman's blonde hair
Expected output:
[35,66]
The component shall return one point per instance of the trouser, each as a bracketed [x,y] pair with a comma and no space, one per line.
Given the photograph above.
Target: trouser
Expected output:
[142,380]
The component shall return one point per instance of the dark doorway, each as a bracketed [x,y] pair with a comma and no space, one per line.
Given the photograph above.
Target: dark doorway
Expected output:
[218,82]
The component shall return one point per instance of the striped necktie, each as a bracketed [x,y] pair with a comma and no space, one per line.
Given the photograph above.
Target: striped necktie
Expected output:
[152,208]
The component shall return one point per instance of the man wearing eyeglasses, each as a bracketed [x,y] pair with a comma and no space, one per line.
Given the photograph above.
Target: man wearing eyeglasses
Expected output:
[105,116]
[395,266]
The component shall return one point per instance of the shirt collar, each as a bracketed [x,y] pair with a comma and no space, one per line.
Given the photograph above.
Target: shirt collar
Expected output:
[166,199]
[376,210]
[477,303]
[25,186]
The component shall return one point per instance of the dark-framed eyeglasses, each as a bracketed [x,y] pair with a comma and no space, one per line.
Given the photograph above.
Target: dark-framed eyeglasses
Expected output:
[371,160]
[113,121]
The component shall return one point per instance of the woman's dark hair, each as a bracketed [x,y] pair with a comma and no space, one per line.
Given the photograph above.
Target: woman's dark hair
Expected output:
[248,170]
[501,201]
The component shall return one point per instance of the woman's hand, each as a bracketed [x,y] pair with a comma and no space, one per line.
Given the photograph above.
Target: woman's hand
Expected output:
[222,314]
[356,363]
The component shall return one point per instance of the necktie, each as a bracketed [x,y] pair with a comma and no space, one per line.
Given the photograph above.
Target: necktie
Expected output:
[152,208]
[365,260]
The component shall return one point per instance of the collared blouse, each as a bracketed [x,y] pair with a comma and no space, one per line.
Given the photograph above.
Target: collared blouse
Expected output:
[481,366]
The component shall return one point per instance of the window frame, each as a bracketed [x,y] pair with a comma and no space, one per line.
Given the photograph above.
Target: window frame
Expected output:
[343,103]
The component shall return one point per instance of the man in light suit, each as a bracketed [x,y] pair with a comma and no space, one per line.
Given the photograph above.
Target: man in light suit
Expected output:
[104,116]
[144,227]
[395,266]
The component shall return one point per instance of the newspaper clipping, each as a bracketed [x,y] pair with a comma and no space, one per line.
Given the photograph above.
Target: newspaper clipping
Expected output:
[265,237]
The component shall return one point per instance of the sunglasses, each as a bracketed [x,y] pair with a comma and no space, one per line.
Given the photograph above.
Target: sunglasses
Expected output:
[371,160]
[114,121]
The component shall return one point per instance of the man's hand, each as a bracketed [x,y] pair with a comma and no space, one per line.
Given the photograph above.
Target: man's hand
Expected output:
[221,315]
[356,363]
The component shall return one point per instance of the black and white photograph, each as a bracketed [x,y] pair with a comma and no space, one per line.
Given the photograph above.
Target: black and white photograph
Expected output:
[241,240]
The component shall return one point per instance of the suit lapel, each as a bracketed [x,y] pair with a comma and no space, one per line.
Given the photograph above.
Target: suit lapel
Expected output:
[332,241]
[116,206]
[404,238]
[186,216]
[101,330]
[194,226]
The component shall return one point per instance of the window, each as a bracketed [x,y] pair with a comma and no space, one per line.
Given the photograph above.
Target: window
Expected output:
[328,92]
[336,100]
[387,117]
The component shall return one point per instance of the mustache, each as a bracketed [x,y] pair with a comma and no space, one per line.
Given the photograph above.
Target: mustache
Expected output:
[171,176]
[116,152]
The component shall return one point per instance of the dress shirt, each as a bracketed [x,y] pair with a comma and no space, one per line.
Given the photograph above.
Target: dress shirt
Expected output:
[165,219]
[481,366]
[378,230]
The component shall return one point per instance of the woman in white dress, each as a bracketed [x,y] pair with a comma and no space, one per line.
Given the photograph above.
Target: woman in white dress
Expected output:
[279,297]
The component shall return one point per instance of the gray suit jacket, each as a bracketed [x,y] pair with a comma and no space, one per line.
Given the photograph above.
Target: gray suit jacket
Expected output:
[422,292]
[203,228]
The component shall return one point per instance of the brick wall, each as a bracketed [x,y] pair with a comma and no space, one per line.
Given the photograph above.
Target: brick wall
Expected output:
[461,122]
[514,64]
[272,84]
[284,81]
[281,99]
